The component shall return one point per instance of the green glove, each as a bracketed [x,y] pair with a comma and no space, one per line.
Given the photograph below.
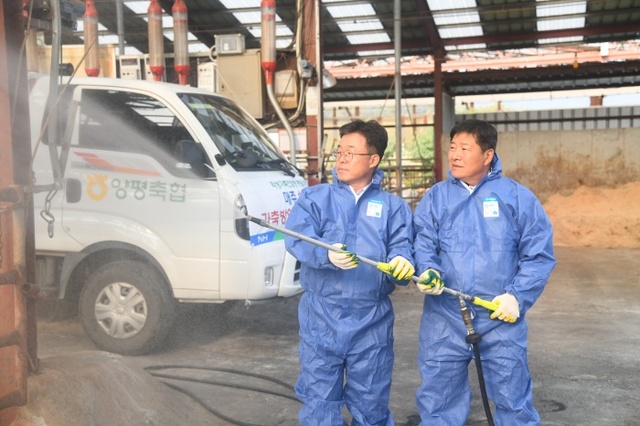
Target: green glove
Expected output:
[430,283]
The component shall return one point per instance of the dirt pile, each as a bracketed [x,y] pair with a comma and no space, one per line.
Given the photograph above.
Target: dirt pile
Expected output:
[597,217]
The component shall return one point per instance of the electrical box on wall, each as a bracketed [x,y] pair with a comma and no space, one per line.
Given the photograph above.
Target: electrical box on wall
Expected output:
[239,77]
[286,89]
[230,44]
[207,76]
[130,67]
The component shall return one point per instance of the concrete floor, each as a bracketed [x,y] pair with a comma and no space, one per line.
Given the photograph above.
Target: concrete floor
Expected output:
[584,343]
[584,352]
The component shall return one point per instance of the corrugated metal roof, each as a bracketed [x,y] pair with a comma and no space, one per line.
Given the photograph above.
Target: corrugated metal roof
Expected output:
[361,31]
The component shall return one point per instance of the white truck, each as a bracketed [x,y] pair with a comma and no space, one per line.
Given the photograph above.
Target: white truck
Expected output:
[154,181]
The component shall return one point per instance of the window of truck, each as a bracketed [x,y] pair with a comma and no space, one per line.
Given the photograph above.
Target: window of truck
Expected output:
[138,123]
[241,141]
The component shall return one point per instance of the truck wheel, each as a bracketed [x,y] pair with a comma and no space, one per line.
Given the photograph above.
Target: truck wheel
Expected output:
[126,307]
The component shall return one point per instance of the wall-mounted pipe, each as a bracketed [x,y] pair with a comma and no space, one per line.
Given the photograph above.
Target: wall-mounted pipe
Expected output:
[268,52]
[120,26]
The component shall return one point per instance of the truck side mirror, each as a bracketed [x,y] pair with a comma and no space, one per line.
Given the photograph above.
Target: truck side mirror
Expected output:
[244,158]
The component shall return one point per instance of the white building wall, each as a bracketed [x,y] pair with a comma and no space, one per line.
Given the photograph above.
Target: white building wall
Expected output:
[556,151]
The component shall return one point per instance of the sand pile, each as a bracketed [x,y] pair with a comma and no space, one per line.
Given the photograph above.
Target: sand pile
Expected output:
[597,217]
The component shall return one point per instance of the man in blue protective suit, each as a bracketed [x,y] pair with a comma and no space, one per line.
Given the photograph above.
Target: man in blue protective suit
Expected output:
[486,235]
[345,314]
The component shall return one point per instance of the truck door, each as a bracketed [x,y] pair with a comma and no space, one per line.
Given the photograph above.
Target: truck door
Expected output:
[136,175]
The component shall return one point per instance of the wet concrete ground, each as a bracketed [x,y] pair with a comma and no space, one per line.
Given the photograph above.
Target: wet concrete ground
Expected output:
[584,354]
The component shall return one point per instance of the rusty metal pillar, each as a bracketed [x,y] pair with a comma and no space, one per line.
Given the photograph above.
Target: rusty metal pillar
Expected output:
[17,312]
[314,126]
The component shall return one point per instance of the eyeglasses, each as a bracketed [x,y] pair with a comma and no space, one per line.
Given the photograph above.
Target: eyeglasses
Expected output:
[347,155]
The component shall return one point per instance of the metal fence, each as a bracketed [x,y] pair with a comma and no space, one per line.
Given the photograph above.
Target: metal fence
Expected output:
[594,118]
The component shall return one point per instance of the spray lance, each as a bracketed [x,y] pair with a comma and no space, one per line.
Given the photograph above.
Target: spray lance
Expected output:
[382,266]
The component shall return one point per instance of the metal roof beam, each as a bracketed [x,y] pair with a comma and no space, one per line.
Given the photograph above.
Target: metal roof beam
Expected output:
[435,42]
[537,35]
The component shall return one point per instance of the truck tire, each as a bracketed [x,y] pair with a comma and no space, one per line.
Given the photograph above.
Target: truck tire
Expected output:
[126,307]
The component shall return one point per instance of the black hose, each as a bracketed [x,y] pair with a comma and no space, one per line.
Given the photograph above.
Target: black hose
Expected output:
[153,371]
[474,338]
[221,370]
[223,384]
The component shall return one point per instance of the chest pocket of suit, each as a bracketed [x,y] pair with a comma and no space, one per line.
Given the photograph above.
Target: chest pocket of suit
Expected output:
[372,229]
[500,231]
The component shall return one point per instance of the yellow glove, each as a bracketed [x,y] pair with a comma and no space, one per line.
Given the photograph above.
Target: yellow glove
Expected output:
[401,268]
[430,283]
[508,308]
[342,259]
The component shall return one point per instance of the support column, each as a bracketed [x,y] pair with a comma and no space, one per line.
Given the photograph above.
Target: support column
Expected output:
[312,52]
[438,116]
[17,313]
[397,44]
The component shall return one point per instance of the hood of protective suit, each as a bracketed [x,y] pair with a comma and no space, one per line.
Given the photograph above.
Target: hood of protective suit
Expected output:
[376,179]
[495,171]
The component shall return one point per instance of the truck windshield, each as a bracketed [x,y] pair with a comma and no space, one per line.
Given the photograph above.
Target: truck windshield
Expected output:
[241,141]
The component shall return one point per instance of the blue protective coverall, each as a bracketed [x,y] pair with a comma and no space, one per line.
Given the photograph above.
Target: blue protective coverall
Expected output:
[494,240]
[346,318]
